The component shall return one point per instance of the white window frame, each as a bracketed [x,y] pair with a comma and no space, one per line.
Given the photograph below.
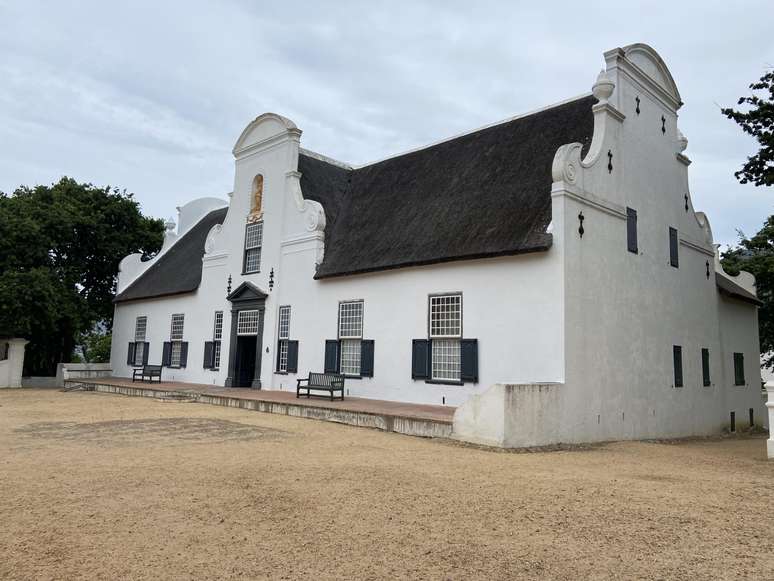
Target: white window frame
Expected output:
[253,246]
[248,322]
[283,334]
[445,337]
[176,339]
[351,340]
[217,337]
[139,339]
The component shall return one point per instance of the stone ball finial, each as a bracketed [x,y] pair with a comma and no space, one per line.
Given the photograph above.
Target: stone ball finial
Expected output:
[603,88]
[170,224]
[682,140]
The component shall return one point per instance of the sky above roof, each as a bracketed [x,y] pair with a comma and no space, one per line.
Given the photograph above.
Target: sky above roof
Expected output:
[151,96]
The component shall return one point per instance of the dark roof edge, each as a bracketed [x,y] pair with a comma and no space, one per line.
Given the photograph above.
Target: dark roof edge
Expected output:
[532,250]
[731,289]
[117,300]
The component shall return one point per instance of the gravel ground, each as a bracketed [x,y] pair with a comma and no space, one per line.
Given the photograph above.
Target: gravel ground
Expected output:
[108,487]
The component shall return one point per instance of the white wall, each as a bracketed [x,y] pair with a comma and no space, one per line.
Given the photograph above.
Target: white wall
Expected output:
[11,368]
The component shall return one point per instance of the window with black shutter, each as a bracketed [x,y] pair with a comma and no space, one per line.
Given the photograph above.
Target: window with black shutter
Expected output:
[292,356]
[367,358]
[673,251]
[631,230]
[677,355]
[420,359]
[140,349]
[705,367]
[331,356]
[176,358]
[208,354]
[739,369]
[283,340]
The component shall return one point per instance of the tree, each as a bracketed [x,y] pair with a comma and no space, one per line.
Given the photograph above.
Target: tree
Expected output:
[756,256]
[60,246]
[96,346]
[757,121]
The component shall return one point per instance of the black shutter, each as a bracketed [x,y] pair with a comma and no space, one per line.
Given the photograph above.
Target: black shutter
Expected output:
[705,367]
[677,356]
[331,356]
[209,351]
[469,360]
[367,358]
[739,369]
[631,230]
[145,354]
[292,356]
[673,255]
[183,353]
[130,354]
[420,359]
[166,354]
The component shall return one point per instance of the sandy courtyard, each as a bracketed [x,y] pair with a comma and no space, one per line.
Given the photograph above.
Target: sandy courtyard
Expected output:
[107,487]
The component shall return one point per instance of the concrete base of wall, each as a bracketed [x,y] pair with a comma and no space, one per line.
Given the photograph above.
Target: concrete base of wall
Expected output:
[511,416]
[410,426]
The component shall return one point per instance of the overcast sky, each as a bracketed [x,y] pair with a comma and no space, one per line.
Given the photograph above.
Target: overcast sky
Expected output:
[151,96]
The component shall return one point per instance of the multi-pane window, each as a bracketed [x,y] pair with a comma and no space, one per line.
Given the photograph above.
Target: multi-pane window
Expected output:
[247,322]
[284,336]
[350,336]
[217,335]
[445,336]
[140,331]
[253,242]
[176,338]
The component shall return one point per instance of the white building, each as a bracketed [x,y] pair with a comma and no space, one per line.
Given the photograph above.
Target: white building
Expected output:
[548,274]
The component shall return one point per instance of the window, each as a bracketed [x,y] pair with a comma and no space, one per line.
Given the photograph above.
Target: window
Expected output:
[176,338]
[677,356]
[673,254]
[739,369]
[631,230]
[705,367]
[284,337]
[445,336]
[350,336]
[4,349]
[217,335]
[247,323]
[140,330]
[253,242]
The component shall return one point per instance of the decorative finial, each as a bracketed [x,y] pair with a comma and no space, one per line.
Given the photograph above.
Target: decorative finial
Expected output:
[228,286]
[271,280]
[682,140]
[169,225]
[603,88]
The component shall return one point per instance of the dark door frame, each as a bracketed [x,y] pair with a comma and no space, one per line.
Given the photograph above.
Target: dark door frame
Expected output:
[246,297]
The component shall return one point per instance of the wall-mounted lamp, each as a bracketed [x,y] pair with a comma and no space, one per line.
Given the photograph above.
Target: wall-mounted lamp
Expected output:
[581,218]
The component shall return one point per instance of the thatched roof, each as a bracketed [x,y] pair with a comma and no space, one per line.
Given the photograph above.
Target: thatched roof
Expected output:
[179,270]
[483,194]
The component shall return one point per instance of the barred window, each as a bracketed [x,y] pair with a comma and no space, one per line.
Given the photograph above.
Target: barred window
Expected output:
[284,322]
[351,320]
[176,333]
[253,243]
[445,334]
[247,323]
[283,332]
[446,316]
[140,330]
[217,334]
[446,359]
[350,356]
[176,337]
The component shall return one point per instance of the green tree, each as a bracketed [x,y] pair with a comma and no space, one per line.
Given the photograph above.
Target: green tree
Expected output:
[758,121]
[60,246]
[756,256]
[96,346]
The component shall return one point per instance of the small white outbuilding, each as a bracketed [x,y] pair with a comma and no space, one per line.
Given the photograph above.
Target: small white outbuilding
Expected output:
[11,361]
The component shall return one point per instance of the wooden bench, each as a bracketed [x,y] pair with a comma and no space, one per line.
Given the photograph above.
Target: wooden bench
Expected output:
[330,382]
[147,371]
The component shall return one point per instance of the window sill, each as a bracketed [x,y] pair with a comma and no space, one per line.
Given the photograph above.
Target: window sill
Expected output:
[249,273]
[443,382]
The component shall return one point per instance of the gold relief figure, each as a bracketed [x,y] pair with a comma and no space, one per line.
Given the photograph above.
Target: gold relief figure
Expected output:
[257,210]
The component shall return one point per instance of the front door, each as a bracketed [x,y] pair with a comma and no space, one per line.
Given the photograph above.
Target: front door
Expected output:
[245,361]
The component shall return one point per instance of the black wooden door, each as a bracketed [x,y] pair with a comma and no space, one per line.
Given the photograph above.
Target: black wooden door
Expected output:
[245,360]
